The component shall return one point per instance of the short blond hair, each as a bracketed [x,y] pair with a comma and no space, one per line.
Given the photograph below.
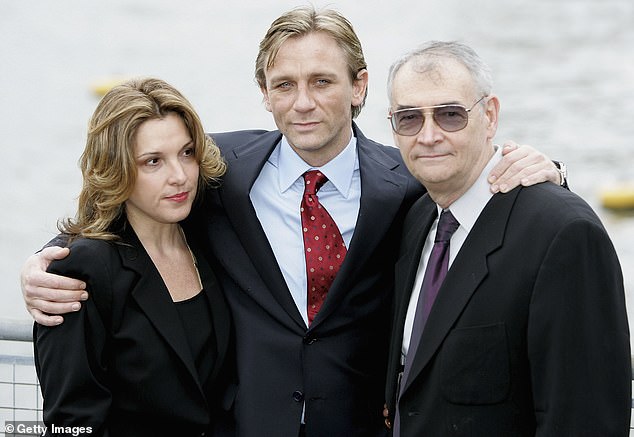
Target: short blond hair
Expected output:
[302,21]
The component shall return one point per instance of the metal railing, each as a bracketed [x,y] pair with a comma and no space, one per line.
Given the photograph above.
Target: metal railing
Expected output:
[20,396]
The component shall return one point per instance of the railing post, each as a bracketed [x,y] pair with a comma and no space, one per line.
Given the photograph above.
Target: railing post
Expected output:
[16,330]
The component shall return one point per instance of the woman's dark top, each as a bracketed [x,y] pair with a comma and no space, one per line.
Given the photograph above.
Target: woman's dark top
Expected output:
[196,316]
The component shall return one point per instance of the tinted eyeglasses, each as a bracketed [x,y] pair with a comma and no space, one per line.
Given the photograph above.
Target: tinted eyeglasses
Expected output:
[450,118]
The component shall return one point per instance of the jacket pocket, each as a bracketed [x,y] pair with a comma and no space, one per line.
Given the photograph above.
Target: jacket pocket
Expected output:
[475,365]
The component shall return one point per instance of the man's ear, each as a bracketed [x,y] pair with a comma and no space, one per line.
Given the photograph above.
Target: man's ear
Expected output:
[265,98]
[491,111]
[359,87]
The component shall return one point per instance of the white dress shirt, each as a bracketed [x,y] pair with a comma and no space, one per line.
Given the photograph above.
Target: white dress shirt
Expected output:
[277,194]
[466,210]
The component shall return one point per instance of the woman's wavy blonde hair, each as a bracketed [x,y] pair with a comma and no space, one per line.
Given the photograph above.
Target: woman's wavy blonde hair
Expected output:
[107,164]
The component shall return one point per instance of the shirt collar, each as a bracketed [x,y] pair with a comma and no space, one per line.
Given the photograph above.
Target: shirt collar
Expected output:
[468,207]
[339,170]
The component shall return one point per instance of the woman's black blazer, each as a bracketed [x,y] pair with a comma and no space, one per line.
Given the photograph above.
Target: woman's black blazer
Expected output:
[121,365]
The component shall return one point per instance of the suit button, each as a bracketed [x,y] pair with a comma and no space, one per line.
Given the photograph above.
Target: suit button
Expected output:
[298,396]
[309,340]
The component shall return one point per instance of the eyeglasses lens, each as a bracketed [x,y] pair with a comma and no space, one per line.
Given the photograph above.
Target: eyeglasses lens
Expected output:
[449,118]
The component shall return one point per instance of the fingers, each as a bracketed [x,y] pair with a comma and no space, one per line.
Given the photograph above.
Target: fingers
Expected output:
[35,280]
[37,283]
[46,312]
[54,295]
[50,307]
[498,183]
[509,146]
[45,294]
[535,175]
[386,415]
[42,302]
[521,166]
[44,319]
[54,252]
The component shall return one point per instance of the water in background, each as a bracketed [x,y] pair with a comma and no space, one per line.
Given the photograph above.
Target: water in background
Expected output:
[564,71]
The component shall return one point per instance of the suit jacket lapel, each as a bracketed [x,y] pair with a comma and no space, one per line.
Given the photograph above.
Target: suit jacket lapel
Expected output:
[465,274]
[405,275]
[155,301]
[382,193]
[219,310]
[407,266]
[244,166]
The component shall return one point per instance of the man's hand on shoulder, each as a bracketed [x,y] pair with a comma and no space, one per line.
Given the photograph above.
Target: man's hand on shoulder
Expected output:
[47,295]
[521,166]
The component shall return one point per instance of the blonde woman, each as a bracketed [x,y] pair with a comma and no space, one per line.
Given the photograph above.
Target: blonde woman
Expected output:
[146,355]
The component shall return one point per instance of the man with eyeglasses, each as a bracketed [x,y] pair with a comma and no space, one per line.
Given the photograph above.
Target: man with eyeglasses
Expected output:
[311,348]
[509,314]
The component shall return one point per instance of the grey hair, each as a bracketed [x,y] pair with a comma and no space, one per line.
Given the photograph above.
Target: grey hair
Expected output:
[426,55]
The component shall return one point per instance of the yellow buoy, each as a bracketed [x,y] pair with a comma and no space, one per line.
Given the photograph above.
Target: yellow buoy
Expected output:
[101,86]
[618,197]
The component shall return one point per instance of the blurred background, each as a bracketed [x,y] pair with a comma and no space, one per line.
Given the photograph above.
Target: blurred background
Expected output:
[564,72]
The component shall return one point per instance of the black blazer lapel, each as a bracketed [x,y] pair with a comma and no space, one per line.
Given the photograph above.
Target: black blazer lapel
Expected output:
[244,165]
[415,234]
[219,310]
[466,273]
[155,301]
[407,265]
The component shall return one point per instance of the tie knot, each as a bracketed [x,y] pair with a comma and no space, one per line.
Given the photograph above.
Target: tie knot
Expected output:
[447,225]
[313,181]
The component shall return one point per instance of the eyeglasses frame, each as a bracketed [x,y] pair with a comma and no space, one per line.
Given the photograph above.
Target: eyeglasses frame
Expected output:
[422,108]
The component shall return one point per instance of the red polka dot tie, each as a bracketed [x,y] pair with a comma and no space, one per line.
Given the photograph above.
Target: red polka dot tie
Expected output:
[323,245]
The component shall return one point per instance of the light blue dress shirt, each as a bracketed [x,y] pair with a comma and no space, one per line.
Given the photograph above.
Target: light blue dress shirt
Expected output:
[277,194]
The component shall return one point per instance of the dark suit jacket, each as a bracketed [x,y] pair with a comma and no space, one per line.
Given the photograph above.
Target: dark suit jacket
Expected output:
[122,364]
[528,335]
[337,366]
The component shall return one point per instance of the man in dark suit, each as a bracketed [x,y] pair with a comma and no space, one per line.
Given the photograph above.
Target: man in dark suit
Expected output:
[528,333]
[321,376]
